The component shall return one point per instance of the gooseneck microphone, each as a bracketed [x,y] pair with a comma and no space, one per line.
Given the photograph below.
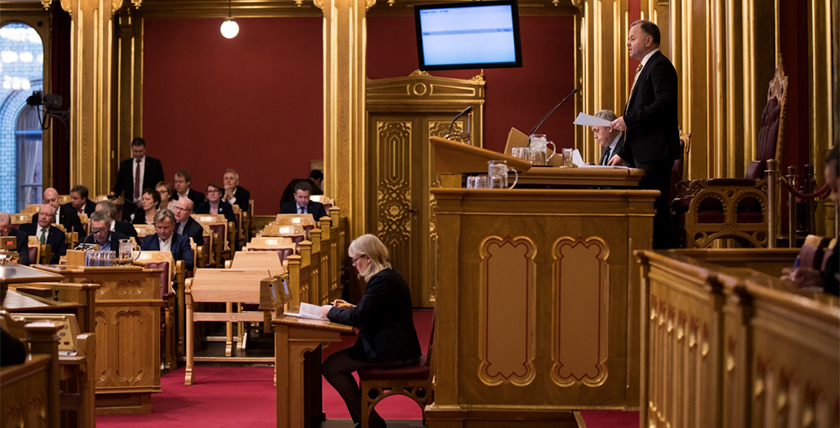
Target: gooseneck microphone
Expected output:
[550,112]
[466,134]
[81,246]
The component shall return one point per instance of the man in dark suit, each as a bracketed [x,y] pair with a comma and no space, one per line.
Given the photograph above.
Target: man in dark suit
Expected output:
[302,205]
[182,182]
[47,233]
[79,200]
[650,123]
[609,139]
[64,215]
[167,240]
[22,238]
[136,174]
[100,232]
[234,193]
[122,227]
[186,225]
[316,178]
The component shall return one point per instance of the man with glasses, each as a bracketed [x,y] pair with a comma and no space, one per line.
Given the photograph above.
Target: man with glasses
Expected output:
[186,225]
[47,233]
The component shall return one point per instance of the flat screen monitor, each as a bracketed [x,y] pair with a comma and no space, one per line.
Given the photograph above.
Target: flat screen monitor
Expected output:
[468,35]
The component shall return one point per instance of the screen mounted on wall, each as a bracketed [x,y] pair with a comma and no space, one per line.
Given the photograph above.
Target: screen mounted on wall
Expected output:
[468,35]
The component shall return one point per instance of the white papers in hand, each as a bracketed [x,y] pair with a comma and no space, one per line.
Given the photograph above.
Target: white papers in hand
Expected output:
[587,120]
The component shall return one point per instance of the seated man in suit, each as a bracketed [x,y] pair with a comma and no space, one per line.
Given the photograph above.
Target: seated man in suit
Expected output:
[302,205]
[47,233]
[135,174]
[316,178]
[64,215]
[214,203]
[120,226]
[167,240]
[186,225]
[6,229]
[100,231]
[234,193]
[183,181]
[609,139]
[79,200]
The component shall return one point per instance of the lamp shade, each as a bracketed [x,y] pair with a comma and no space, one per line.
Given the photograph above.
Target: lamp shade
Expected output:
[230,28]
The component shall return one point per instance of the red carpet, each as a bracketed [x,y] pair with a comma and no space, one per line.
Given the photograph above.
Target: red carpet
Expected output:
[244,397]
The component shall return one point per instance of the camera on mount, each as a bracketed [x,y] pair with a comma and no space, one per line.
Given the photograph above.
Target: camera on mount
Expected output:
[50,101]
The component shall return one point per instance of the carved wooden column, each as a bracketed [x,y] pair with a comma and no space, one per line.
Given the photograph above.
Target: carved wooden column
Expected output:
[91,91]
[344,105]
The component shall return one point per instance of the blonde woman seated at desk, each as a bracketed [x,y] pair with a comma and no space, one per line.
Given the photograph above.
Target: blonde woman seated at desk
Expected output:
[149,204]
[214,203]
[387,337]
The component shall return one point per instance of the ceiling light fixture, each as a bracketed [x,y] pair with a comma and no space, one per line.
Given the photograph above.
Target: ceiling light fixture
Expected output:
[229,28]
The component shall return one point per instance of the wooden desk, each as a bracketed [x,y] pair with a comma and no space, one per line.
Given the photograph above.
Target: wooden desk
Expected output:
[297,353]
[14,273]
[127,334]
[56,297]
[537,310]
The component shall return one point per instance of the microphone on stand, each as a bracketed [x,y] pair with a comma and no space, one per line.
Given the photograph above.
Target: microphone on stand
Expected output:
[465,134]
[82,245]
[550,112]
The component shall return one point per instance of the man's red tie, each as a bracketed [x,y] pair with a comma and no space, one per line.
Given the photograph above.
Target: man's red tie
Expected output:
[137,181]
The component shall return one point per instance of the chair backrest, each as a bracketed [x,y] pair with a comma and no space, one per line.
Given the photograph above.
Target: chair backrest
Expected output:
[144,230]
[161,260]
[32,208]
[227,285]
[34,247]
[63,199]
[283,246]
[21,218]
[85,222]
[768,144]
[323,200]
[307,221]
[258,260]
[811,253]
[294,232]
[830,251]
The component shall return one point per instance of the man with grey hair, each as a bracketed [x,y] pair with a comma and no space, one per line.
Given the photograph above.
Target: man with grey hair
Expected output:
[167,240]
[122,227]
[100,230]
[47,233]
[22,238]
[234,193]
[609,139]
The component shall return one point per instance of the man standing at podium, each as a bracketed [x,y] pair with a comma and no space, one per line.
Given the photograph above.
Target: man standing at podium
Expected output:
[650,124]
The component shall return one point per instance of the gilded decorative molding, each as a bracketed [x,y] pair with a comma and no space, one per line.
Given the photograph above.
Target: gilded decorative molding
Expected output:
[507,310]
[67,6]
[46,4]
[117,4]
[580,324]
[419,73]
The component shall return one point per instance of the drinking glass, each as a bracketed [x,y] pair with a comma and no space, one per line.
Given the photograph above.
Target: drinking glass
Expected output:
[540,143]
[497,175]
[568,154]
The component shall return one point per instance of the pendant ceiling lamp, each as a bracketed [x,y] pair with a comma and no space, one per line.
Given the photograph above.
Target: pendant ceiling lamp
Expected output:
[229,28]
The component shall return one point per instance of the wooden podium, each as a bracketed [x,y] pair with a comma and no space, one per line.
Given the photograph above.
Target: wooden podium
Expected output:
[537,294]
[297,354]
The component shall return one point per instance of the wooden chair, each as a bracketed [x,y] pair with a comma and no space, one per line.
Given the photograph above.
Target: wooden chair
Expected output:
[31,209]
[722,208]
[20,218]
[85,222]
[222,234]
[76,360]
[119,202]
[239,235]
[34,247]
[254,260]
[173,273]
[30,390]
[63,199]
[294,232]
[323,200]
[283,246]
[307,221]
[414,382]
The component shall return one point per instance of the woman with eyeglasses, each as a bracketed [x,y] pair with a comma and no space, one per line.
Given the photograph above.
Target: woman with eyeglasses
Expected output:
[387,337]
[214,203]
[165,190]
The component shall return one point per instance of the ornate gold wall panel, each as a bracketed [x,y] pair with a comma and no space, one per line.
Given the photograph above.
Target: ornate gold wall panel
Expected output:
[822,92]
[507,311]
[128,85]
[581,315]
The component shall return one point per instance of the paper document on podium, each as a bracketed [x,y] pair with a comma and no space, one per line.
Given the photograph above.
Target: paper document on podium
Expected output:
[587,120]
[309,311]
